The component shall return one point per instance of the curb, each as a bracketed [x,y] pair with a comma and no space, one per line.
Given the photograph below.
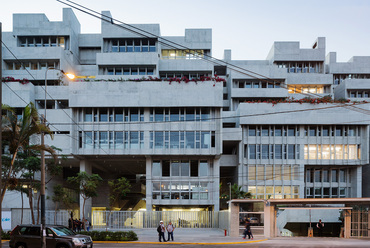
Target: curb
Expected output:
[178,243]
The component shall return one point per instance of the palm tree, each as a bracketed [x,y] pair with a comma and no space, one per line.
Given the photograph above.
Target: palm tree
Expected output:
[238,193]
[17,135]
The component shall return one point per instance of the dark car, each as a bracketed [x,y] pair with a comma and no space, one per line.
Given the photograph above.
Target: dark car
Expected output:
[28,236]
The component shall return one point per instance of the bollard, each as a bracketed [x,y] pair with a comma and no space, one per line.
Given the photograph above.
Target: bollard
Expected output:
[225,232]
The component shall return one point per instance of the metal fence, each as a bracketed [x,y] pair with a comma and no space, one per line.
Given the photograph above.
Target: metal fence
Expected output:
[59,217]
[116,220]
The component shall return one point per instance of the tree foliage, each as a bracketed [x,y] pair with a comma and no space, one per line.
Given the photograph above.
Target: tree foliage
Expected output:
[86,185]
[238,193]
[16,135]
[118,189]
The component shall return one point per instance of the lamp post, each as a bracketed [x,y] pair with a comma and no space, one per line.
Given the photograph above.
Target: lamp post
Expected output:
[42,190]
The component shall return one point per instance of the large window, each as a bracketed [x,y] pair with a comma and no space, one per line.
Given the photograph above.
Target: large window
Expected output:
[273,172]
[44,41]
[180,168]
[301,67]
[274,192]
[255,83]
[32,65]
[112,115]
[180,114]
[278,151]
[324,182]
[130,45]
[276,131]
[182,139]
[348,152]
[182,54]
[338,131]
[127,70]
[112,140]
[181,190]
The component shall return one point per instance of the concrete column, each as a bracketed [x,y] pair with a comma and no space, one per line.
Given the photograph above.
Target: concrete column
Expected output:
[149,185]
[270,221]
[234,219]
[86,167]
[215,185]
[347,223]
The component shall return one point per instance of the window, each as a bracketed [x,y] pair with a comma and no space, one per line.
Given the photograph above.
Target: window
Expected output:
[278,152]
[130,45]
[182,54]
[156,171]
[175,168]
[44,41]
[342,176]
[252,131]
[334,175]
[252,151]
[251,172]
[203,168]
[350,152]
[103,114]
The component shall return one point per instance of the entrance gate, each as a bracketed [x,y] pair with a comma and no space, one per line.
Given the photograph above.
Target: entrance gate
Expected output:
[355,228]
[360,223]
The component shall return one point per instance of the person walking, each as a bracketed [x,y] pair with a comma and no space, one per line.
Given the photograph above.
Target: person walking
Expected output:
[320,226]
[247,230]
[170,228]
[161,230]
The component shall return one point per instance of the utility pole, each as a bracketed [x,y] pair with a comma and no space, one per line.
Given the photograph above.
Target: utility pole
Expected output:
[1,121]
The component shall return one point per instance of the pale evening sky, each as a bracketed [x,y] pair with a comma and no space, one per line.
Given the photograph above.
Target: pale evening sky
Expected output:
[248,28]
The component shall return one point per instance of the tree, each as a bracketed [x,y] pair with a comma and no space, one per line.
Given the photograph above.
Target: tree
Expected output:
[238,193]
[86,185]
[118,189]
[60,196]
[17,135]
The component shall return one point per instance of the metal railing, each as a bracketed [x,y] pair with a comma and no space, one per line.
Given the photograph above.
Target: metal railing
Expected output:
[116,220]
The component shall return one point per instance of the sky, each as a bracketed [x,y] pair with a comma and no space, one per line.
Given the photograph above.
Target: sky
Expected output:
[247,27]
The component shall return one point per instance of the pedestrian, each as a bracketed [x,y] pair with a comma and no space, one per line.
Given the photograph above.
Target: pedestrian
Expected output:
[75,224]
[247,230]
[170,228]
[70,224]
[161,230]
[79,225]
[87,224]
[320,226]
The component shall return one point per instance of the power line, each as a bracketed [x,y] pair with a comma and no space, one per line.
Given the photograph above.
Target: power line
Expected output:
[177,45]
[53,125]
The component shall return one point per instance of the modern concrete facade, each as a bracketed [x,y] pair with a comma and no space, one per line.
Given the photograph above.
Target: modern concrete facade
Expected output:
[178,141]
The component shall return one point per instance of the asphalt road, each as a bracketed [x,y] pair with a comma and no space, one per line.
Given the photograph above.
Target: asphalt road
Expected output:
[277,242]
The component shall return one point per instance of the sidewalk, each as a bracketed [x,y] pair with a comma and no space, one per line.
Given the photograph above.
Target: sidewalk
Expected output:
[194,236]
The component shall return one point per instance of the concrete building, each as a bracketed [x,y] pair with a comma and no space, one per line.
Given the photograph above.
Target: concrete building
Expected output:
[133,113]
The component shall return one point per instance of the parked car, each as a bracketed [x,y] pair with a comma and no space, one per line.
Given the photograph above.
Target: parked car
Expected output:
[254,220]
[28,236]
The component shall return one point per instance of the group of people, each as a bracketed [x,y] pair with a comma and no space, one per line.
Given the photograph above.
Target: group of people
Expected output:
[161,229]
[78,225]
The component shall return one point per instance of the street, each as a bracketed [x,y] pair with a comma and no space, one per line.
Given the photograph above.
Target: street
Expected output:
[301,242]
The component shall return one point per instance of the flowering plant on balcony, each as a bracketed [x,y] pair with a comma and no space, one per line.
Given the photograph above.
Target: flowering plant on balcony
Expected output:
[11,79]
[325,99]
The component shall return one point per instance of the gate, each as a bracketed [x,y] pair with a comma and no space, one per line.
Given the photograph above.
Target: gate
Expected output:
[360,223]
[117,220]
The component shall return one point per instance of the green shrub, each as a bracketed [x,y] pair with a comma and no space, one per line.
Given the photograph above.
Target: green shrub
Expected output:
[111,236]
[5,235]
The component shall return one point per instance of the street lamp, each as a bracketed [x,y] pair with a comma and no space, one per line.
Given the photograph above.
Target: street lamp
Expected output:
[42,190]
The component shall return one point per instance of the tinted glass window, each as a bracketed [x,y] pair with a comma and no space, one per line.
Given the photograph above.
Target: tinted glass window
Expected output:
[62,231]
